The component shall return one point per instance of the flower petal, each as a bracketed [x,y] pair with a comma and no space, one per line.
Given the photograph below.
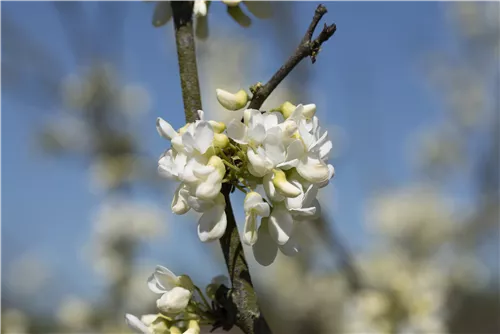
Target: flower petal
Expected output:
[237,131]
[250,229]
[165,129]
[313,169]
[265,249]
[137,325]
[261,165]
[280,224]
[257,133]
[213,222]
[204,135]
[179,202]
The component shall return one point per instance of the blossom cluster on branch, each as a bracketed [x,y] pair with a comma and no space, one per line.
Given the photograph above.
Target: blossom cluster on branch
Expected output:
[281,154]
[183,306]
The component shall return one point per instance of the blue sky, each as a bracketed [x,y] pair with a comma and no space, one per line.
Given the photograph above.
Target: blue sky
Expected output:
[372,84]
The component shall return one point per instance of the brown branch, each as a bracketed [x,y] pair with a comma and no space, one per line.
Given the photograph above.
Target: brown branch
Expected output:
[248,318]
[186,54]
[306,48]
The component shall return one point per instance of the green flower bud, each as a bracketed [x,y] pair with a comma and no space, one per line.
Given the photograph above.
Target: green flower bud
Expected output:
[232,101]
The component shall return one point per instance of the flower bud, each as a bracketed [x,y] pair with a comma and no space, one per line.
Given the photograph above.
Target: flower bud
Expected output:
[286,109]
[218,127]
[232,101]
[309,110]
[174,301]
[200,8]
[231,3]
[220,140]
[216,162]
[193,327]
[175,330]
[165,129]
[283,186]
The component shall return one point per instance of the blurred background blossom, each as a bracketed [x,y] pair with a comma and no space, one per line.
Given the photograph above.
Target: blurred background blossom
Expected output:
[408,241]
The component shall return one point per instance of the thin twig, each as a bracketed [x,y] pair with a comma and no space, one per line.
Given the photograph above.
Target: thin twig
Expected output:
[306,48]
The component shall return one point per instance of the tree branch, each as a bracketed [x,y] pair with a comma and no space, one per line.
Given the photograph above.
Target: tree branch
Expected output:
[248,318]
[186,54]
[306,48]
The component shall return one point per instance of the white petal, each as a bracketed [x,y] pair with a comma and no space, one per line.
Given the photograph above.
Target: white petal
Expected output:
[309,110]
[313,169]
[211,187]
[276,153]
[237,131]
[204,136]
[288,164]
[200,8]
[295,150]
[251,200]
[179,202]
[250,229]
[265,249]
[166,165]
[304,212]
[165,129]
[199,205]
[280,225]
[137,325]
[203,171]
[310,195]
[262,209]
[188,142]
[331,173]
[270,120]
[261,165]
[257,133]
[297,113]
[212,223]
[177,143]
[307,138]
[162,280]
[325,149]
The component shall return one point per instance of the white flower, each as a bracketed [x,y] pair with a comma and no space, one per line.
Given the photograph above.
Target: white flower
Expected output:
[254,128]
[174,301]
[232,101]
[254,206]
[162,280]
[137,325]
[308,154]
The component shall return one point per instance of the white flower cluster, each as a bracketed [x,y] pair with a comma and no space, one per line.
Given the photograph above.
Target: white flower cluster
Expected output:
[181,310]
[284,151]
